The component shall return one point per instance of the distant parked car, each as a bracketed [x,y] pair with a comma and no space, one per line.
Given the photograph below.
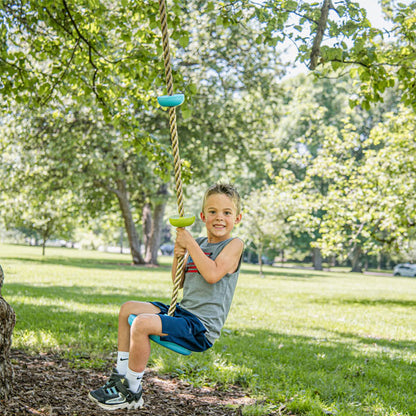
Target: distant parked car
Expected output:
[167,249]
[405,269]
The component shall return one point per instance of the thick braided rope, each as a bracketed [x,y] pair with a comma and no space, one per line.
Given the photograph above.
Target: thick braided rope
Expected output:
[175,145]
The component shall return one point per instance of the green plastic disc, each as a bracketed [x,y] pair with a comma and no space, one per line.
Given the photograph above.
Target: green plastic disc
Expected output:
[181,222]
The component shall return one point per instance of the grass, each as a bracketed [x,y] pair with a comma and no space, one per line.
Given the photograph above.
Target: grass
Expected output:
[302,341]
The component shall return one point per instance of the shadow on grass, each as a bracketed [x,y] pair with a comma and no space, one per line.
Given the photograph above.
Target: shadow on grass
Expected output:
[87,295]
[286,273]
[70,318]
[390,344]
[89,263]
[367,302]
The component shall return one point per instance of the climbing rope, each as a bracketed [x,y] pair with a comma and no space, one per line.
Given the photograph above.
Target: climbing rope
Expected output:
[175,145]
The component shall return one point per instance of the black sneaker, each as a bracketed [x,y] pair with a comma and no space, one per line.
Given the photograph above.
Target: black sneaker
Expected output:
[111,382]
[116,395]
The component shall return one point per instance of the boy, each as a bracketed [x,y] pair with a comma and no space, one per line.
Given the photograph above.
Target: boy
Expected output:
[208,282]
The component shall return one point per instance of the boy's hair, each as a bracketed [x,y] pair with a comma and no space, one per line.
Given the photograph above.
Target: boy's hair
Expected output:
[226,189]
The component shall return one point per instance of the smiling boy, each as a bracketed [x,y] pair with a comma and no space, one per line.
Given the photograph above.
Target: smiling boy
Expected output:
[209,281]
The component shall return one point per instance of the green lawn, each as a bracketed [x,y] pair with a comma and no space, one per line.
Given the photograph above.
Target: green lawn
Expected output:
[309,343]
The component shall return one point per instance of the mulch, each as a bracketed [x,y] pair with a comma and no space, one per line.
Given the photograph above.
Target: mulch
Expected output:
[47,385]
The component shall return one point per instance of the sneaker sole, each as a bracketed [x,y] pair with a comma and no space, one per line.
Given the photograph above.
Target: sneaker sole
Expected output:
[125,405]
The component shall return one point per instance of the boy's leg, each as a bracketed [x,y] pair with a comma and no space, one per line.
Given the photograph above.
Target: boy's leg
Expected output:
[143,326]
[128,308]
[133,344]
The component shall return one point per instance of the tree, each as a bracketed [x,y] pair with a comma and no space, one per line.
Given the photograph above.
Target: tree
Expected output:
[31,196]
[367,206]
[82,48]
[7,321]
[338,36]
[76,159]
[46,214]
[233,83]
[268,215]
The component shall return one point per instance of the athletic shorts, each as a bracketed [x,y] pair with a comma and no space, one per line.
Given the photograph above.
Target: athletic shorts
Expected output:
[184,328]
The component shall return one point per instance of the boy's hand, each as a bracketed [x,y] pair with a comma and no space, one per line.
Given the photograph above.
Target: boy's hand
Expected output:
[183,237]
[179,251]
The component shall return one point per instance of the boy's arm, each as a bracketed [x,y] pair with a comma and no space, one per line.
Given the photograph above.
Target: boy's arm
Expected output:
[212,270]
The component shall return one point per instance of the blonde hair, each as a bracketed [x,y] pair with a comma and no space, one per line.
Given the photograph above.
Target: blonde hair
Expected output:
[225,189]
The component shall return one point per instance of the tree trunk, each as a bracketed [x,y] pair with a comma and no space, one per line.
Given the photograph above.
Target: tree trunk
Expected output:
[366,264]
[121,240]
[260,255]
[356,259]
[147,226]
[123,199]
[152,247]
[379,260]
[7,322]
[317,258]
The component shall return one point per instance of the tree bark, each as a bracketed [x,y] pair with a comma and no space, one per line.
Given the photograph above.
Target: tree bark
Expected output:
[152,247]
[123,199]
[356,259]
[147,226]
[320,30]
[7,322]
[317,258]
[260,255]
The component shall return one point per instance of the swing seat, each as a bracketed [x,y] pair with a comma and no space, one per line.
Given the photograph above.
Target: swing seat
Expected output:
[167,344]
[171,100]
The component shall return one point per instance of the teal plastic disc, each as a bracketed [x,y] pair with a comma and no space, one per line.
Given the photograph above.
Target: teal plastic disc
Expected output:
[171,100]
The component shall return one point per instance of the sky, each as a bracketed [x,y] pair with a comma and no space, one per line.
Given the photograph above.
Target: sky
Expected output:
[374,12]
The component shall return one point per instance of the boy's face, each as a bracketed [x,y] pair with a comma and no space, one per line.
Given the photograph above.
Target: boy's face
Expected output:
[219,216]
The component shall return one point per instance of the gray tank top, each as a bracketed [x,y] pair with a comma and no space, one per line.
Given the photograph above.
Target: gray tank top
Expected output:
[209,302]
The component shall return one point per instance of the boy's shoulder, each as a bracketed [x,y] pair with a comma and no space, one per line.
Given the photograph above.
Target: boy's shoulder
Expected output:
[202,240]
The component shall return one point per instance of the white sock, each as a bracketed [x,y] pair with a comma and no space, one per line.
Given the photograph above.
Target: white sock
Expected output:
[122,362]
[134,379]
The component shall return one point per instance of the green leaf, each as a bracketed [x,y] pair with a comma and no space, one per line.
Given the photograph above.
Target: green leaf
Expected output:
[210,7]
[186,113]
[184,40]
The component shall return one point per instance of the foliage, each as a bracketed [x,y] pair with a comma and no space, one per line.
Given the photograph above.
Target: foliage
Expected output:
[339,37]
[367,202]
[99,72]
[82,48]
[233,106]
[267,219]
[50,155]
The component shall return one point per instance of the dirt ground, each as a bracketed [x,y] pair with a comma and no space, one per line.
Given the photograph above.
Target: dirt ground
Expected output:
[47,385]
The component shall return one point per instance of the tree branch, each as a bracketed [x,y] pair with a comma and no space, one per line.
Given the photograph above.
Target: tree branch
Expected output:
[316,46]
[90,57]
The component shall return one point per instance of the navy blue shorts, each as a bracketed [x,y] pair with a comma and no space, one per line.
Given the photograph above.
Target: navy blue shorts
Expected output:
[183,328]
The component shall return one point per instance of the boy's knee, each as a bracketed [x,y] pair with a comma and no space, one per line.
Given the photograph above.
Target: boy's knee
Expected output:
[146,324]
[125,308]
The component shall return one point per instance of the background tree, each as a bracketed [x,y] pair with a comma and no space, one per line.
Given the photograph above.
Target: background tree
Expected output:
[367,208]
[268,215]
[337,36]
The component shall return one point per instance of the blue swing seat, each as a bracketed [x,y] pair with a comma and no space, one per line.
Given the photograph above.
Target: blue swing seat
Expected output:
[167,344]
